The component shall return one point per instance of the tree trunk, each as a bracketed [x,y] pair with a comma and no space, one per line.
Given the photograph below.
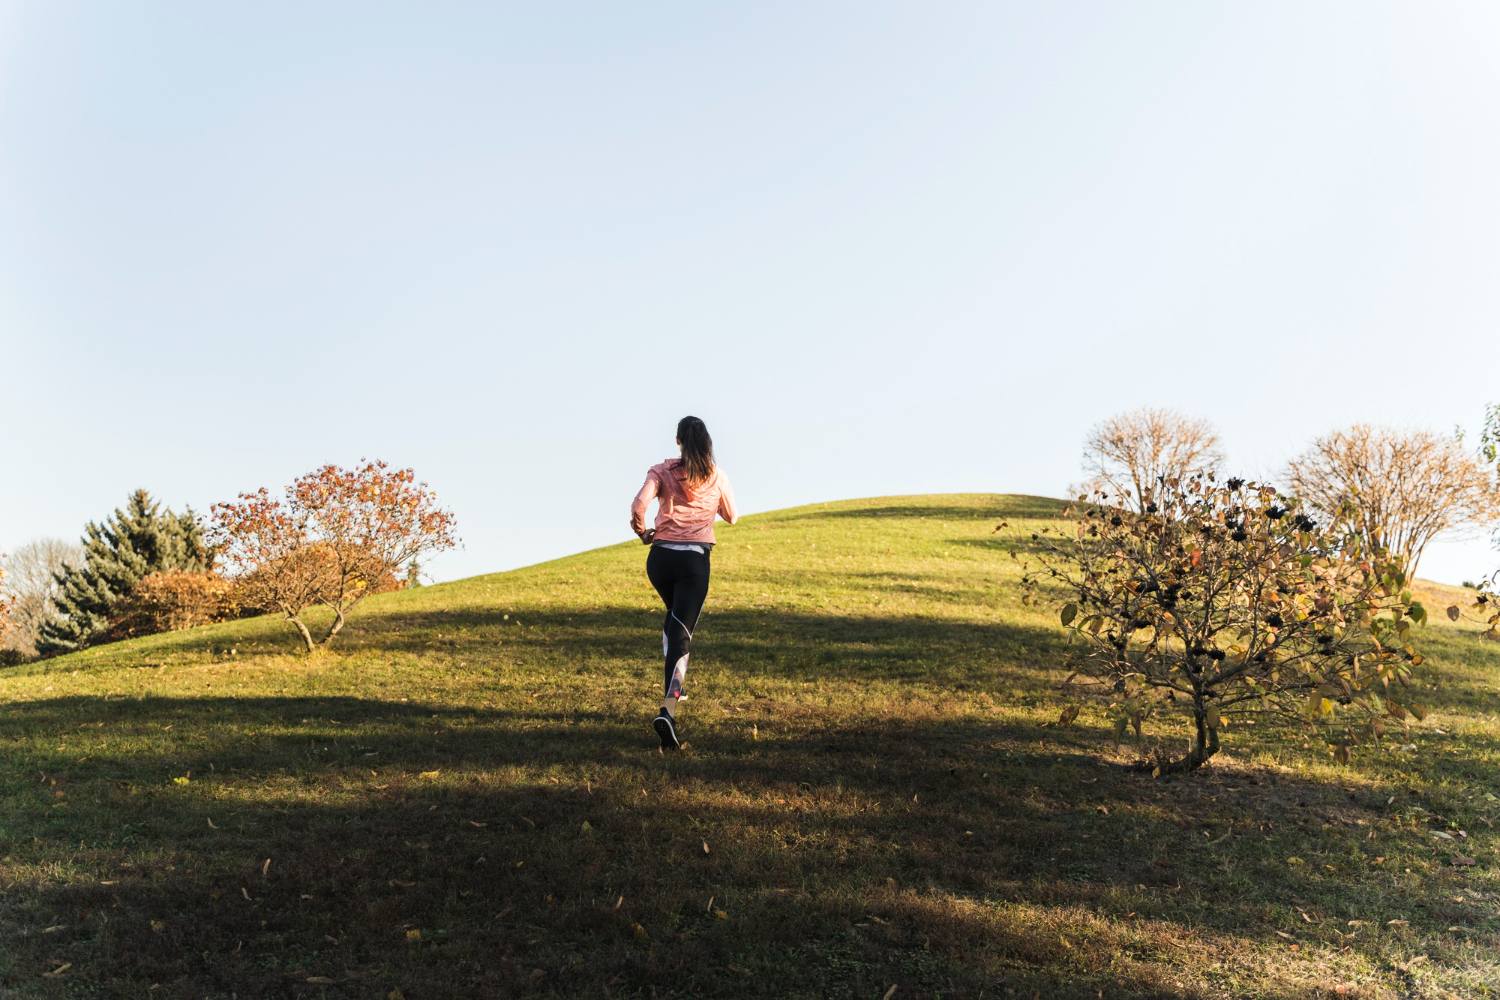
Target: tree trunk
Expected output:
[307,639]
[338,623]
[1205,745]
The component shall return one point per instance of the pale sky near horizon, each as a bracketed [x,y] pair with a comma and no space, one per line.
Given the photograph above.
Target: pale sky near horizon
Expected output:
[880,248]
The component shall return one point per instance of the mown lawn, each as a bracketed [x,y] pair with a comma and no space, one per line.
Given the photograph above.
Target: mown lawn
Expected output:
[464,798]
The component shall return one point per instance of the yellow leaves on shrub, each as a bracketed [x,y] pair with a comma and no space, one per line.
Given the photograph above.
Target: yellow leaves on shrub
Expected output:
[174,599]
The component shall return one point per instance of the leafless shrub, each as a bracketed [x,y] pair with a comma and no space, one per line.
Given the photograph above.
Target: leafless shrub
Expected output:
[1133,453]
[1400,488]
[31,582]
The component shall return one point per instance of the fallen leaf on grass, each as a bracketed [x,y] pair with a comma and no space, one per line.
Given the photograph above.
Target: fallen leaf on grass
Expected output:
[1295,861]
[112,881]
[529,821]
[1459,861]
[59,970]
[414,935]
[705,847]
[889,993]
[1397,923]
[721,914]
[430,774]
[1285,935]
[265,868]
[404,885]
[244,892]
[210,822]
[478,824]
[1406,966]
[640,933]
[54,927]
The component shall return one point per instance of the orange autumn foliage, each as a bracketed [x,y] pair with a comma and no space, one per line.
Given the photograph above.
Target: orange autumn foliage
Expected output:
[171,600]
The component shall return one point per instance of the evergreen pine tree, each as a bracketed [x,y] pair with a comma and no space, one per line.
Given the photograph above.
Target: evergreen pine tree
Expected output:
[132,543]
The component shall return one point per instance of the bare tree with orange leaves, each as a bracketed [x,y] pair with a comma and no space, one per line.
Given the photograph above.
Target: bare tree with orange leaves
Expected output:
[330,541]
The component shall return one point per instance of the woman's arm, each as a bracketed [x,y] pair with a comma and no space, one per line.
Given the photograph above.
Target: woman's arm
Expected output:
[643,500]
[727,510]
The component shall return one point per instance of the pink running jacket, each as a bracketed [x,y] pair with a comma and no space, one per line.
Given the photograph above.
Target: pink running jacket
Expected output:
[683,514]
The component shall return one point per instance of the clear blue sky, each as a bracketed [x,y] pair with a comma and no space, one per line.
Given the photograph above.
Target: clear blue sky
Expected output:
[881,248]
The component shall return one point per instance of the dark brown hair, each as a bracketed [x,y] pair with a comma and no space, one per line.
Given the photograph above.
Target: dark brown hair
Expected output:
[697,450]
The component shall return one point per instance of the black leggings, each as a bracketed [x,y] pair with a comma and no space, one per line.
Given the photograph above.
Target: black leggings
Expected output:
[681,578]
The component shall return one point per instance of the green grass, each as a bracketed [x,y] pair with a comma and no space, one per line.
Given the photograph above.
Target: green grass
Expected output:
[463,798]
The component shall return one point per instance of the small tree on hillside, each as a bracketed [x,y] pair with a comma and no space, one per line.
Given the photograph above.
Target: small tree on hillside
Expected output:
[1230,598]
[1398,489]
[1131,454]
[143,538]
[337,536]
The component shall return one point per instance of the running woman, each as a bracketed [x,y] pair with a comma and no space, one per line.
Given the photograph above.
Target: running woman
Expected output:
[690,492]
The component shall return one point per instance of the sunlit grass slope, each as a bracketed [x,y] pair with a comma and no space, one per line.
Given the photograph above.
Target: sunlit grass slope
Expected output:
[463,799]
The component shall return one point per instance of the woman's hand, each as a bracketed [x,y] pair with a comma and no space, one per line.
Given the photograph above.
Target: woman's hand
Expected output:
[647,535]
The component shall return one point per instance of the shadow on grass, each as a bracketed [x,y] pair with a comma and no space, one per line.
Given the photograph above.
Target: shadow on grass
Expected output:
[744,643]
[548,852]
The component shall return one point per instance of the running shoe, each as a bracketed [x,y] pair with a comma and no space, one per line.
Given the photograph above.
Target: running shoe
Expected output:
[667,730]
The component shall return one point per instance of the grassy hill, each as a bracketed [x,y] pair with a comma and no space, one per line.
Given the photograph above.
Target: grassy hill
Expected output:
[464,798]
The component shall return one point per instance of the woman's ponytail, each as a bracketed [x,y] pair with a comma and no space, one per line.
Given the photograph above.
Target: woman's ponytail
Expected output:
[697,450]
